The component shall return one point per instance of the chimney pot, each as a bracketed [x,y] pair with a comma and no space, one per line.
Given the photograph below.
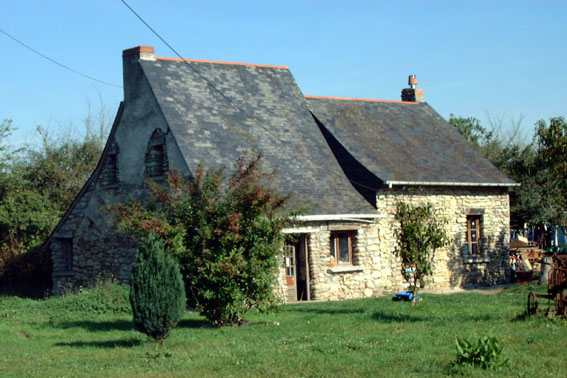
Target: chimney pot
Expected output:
[412,94]
[412,81]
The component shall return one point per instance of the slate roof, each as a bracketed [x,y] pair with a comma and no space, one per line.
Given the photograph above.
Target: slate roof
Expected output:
[404,142]
[260,108]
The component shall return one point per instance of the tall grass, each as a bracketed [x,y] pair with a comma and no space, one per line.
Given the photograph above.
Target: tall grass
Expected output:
[92,334]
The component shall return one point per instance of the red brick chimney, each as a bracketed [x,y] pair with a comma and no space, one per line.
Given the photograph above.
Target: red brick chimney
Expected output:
[132,71]
[412,93]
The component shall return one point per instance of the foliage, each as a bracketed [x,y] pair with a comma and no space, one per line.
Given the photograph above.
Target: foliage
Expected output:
[472,130]
[227,238]
[37,185]
[539,167]
[157,294]
[551,141]
[484,353]
[27,274]
[5,152]
[420,234]
[106,296]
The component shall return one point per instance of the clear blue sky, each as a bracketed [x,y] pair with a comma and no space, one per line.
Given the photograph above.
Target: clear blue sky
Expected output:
[471,57]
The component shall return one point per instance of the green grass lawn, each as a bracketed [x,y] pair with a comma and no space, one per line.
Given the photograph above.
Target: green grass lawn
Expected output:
[91,334]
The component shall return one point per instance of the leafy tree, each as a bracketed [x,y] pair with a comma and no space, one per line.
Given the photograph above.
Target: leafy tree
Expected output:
[5,153]
[37,185]
[157,294]
[539,167]
[551,141]
[471,129]
[420,234]
[226,237]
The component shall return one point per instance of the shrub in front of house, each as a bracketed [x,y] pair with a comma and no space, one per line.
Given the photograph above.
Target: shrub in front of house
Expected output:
[157,292]
[225,232]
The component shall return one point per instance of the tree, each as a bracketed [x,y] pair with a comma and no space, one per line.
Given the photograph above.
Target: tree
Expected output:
[536,166]
[551,141]
[420,234]
[5,153]
[471,129]
[37,185]
[226,236]
[157,294]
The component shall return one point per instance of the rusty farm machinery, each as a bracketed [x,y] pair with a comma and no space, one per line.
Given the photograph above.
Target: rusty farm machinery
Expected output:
[556,288]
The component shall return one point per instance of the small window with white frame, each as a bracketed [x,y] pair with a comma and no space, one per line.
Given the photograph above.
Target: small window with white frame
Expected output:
[342,246]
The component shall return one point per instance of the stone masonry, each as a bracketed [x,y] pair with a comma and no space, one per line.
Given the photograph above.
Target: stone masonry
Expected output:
[375,270]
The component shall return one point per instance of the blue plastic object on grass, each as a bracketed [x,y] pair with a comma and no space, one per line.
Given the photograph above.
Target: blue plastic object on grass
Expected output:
[405,295]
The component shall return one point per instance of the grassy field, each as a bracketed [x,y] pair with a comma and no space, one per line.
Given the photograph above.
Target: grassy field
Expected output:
[91,334]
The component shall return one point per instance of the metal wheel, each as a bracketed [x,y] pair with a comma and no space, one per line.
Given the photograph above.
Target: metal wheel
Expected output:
[561,304]
[531,305]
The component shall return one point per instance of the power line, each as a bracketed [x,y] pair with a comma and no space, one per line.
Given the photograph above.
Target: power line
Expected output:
[56,62]
[257,121]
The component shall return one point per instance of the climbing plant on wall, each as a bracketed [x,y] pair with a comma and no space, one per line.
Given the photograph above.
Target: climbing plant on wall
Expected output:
[421,232]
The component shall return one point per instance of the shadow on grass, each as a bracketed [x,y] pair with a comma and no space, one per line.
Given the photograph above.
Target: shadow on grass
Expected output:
[522,317]
[333,311]
[101,326]
[194,323]
[385,317]
[123,325]
[102,344]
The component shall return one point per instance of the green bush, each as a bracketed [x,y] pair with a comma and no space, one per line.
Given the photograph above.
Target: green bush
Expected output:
[226,233]
[484,353]
[157,292]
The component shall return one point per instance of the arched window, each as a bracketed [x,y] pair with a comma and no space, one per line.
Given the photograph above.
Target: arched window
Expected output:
[109,176]
[156,157]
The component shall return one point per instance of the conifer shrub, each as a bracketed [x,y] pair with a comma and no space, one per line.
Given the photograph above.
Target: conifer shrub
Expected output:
[157,292]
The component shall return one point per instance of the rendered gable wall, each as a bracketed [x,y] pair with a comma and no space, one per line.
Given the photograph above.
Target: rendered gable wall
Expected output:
[98,250]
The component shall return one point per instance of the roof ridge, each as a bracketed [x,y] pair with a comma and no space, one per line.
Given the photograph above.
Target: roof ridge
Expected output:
[219,62]
[360,99]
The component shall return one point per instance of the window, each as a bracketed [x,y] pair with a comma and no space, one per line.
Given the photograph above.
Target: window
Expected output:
[289,260]
[66,253]
[109,174]
[341,247]
[156,157]
[474,234]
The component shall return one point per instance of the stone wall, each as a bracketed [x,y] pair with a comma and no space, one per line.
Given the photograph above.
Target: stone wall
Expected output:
[454,266]
[375,270]
[98,250]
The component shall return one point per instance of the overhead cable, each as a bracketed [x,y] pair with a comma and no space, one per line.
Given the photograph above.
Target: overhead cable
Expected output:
[56,62]
[251,117]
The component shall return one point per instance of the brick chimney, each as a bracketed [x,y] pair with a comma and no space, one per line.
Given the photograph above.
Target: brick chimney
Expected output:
[412,93]
[132,71]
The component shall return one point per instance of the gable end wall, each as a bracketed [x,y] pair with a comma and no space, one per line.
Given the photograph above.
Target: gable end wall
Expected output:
[454,267]
[98,250]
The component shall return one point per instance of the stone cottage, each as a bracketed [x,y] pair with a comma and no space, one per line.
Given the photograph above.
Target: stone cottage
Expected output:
[352,159]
